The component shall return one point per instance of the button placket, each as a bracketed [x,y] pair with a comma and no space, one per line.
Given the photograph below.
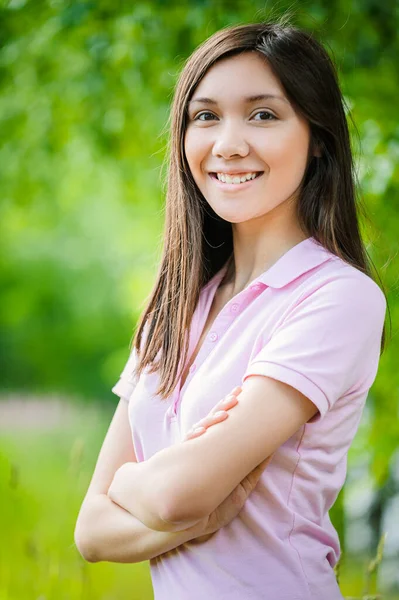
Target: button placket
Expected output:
[213,336]
[172,411]
[255,287]
[220,325]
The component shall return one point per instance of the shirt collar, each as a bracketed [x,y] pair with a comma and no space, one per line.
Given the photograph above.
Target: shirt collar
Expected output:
[299,259]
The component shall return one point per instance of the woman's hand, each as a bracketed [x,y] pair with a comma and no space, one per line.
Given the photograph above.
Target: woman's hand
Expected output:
[233,504]
[217,414]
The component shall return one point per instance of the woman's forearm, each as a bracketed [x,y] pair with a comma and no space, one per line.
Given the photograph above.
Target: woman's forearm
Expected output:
[107,532]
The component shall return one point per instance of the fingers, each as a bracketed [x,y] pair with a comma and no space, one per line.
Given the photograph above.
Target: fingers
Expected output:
[237,390]
[252,479]
[257,472]
[225,404]
[262,466]
[217,414]
[202,425]
[193,433]
[228,401]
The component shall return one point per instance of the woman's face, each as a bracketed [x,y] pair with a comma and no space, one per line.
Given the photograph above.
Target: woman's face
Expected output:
[231,134]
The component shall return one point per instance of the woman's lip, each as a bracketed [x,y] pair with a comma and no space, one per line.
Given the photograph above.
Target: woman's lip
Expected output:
[233,187]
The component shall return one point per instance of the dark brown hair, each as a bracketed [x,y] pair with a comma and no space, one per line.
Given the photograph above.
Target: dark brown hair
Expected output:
[197,242]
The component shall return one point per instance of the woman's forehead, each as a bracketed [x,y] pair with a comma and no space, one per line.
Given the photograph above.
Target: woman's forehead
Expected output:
[247,75]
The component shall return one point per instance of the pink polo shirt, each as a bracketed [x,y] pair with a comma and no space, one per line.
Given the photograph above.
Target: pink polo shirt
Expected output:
[314,322]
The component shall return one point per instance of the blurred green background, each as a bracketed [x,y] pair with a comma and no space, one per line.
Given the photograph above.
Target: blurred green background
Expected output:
[85,89]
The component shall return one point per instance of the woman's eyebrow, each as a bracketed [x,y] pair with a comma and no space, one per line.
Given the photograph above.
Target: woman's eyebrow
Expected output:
[246,100]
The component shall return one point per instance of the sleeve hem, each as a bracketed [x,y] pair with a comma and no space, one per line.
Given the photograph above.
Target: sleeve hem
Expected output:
[292,378]
[123,389]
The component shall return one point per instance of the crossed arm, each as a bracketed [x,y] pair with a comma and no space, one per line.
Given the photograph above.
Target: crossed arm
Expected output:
[179,485]
[105,531]
[123,517]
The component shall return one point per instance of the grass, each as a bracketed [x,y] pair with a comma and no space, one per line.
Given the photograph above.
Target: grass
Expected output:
[43,478]
[44,475]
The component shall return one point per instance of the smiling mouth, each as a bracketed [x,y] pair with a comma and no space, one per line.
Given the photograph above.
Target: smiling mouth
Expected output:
[235,183]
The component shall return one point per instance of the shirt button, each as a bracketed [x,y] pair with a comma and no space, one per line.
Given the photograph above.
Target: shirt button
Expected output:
[255,287]
[213,336]
[234,307]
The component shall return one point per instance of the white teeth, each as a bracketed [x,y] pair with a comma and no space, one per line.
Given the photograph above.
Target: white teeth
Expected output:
[235,179]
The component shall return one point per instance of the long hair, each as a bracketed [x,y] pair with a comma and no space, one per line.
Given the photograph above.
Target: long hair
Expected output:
[196,241]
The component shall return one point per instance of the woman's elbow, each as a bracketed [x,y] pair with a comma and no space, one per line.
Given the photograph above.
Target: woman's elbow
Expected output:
[84,534]
[186,509]
[84,545]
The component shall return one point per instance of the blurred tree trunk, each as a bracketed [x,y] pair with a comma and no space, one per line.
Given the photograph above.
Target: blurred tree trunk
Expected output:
[376,514]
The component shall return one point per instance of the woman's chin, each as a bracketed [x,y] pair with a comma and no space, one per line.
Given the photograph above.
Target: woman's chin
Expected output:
[233,214]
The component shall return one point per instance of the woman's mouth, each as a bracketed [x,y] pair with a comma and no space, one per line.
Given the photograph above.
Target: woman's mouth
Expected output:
[235,182]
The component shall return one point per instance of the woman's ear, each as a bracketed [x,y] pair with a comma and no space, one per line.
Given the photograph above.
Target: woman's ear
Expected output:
[317,150]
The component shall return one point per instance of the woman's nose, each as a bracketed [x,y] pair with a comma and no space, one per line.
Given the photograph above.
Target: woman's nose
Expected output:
[229,143]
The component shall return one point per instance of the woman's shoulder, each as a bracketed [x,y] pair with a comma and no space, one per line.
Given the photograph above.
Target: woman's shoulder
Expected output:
[337,276]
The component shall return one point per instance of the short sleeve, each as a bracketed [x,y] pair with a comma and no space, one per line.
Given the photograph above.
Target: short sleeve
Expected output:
[329,343]
[127,380]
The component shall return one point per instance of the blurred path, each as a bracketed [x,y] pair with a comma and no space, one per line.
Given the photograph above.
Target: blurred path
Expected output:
[39,413]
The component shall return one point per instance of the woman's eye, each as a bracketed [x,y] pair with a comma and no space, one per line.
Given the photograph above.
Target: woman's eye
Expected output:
[197,118]
[265,112]
[269,116]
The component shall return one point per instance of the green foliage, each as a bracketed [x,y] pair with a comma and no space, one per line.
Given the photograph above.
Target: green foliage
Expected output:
[370,574]
[43,479]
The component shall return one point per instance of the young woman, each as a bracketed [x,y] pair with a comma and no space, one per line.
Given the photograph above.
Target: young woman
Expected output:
[264,290]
